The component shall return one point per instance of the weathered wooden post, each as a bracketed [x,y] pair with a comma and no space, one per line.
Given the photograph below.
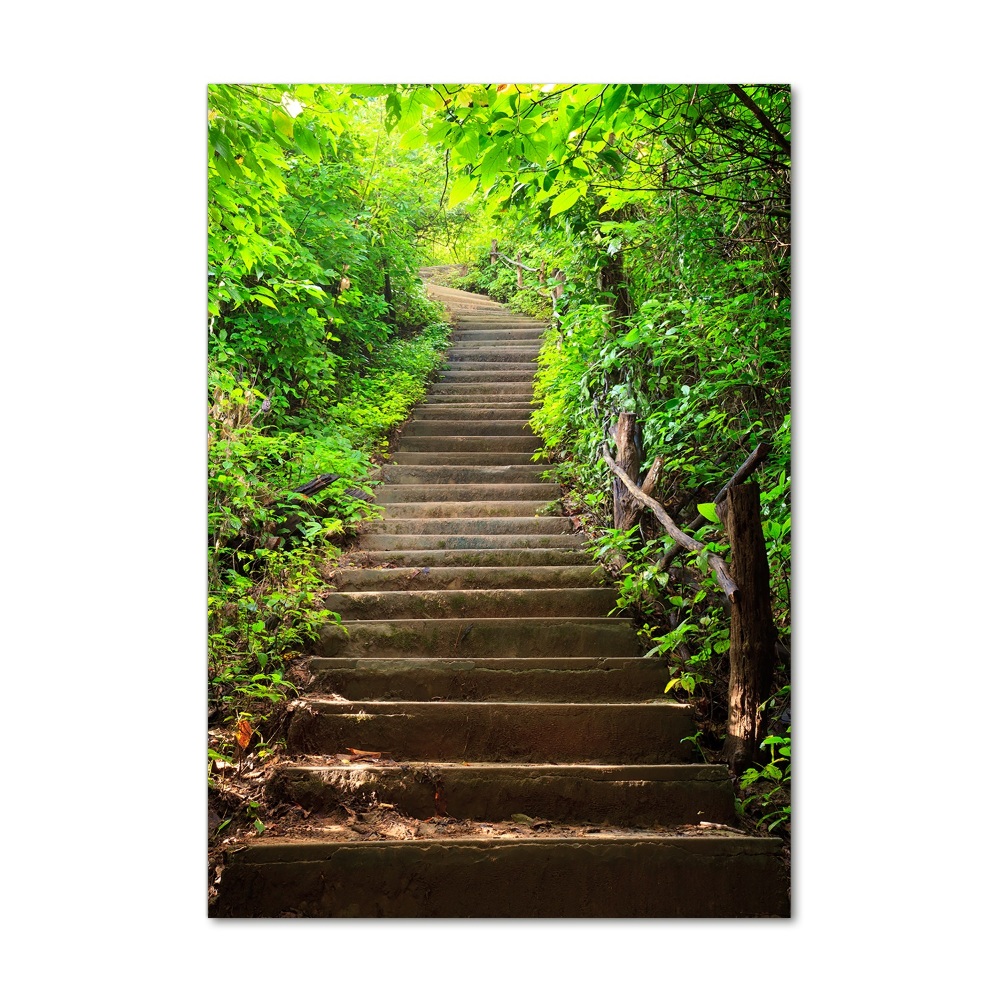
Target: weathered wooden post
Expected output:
[493,252]
[520,276]
[559,288]
[628,458]
[751,632]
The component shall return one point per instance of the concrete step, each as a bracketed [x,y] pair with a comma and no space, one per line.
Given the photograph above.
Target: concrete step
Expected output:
[473,411]
[514,732]
[625,794]
[526,368]
[484,390]
[517,400]
[462,508]
[506,355]
[471,526]
[467,578]
[414,474]
[498,338]
[502,379]
[535,602]
[381,542]
[559,678]
[422,558]
[467,442]
[476,637]
[473,459]
[608,875]
[478,428]
[467,492]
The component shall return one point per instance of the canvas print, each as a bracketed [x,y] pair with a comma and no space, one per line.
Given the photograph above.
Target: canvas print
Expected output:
[499,484]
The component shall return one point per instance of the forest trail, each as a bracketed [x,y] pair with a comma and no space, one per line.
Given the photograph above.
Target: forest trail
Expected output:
[486,740]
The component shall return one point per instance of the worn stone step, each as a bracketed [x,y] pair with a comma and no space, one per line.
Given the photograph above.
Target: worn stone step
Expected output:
[483,390]
[489,379]
[467,443]
[467,492]
[461,508]
[381,542]
[476,427]
[467,578]
[506,355]
[471,526]
[521,637]
[498,338]
[624,794]
[472,411]
[444,474]
[525,368]
[516,732]
[479,458]
[517,400]
[557,678]
[475,557]
[535,602]
[603,876]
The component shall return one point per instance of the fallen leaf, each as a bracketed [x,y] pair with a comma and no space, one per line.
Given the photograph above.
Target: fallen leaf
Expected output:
[243,733]
[522,818]
[364,753]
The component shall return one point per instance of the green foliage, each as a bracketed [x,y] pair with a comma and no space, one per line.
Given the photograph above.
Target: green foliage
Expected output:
[769,801]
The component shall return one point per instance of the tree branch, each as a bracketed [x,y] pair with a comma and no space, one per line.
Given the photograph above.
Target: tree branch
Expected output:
[718,564]
[769,126]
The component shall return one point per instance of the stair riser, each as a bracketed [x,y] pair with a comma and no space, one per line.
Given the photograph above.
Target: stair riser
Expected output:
[494,731]
[465,458]
[422,558]
[477,428]
[472,411]
[675,877]
[454,474]
[584,679]
[408,543]
[432,443]
[434,604]
[539,493]
[469,578]
[471,526]
[489,379]
[480,637]
[484,390]
[627,796]
[466,508]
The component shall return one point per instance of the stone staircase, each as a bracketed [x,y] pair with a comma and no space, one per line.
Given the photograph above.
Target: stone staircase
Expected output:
[530,765]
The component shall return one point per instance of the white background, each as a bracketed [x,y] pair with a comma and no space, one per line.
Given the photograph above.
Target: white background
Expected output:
[895,658]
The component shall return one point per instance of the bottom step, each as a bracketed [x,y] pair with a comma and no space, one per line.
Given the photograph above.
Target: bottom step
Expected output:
[603,876]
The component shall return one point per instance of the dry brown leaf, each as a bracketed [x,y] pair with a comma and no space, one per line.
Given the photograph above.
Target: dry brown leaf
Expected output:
[243,733]
[364,753]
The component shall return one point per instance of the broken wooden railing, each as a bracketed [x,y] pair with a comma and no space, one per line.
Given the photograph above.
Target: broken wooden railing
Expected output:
[553,292]
[745,582]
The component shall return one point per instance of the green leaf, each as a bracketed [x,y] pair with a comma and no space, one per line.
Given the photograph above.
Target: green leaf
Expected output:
[306,141]
[566,199]
[462,187]
[493,161]
[707,511]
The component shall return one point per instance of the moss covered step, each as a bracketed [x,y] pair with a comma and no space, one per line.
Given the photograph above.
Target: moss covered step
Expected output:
[557,678]
[607,875]
[463,508]
[467,578]
[540,493]
[514,732]
[624,794]
[525,603]
[480,637]
[516,556]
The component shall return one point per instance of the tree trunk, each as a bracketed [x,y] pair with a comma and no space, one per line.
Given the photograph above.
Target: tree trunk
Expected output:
[752,633]
[628,458]
[493,251]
